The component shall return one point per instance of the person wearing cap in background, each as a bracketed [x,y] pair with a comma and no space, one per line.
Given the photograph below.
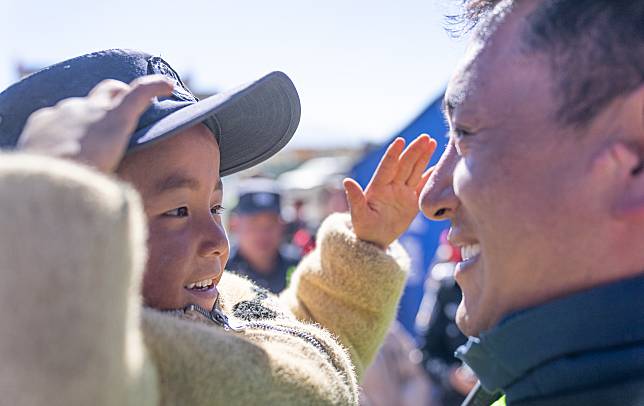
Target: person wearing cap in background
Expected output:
[259,251]
[73,247]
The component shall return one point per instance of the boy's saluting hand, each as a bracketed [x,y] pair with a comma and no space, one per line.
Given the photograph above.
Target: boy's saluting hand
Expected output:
[386,208]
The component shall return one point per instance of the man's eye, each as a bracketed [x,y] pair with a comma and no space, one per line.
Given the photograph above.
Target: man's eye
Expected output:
[217,210]
[460,133]
[178,212]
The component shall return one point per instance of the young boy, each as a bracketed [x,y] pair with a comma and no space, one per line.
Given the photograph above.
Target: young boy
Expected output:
[75,238]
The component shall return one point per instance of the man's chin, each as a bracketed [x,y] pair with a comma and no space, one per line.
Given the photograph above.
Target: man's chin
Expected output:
[465,322]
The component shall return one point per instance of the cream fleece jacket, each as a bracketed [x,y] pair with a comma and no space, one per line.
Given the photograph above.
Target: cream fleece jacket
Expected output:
[71,258]
[71,264]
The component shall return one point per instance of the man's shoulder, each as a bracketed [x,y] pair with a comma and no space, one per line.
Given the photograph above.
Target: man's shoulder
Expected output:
[629,392]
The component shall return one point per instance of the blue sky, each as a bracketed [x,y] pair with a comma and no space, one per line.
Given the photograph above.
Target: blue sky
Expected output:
[363,68]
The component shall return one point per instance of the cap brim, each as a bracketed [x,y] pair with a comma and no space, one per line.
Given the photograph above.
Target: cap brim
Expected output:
[251,123]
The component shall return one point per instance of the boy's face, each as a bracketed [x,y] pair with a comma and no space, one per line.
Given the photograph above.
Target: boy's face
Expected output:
[178,179]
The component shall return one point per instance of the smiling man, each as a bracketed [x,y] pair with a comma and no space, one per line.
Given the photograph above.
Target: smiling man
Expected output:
[542,182]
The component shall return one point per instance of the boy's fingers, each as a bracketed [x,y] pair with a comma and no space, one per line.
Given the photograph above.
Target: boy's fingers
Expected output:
[139,97]
[421,163]
[386,170]
[423,180]
[355,196]
[409,157]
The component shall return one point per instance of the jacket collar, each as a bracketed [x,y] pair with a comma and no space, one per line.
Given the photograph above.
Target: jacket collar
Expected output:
[597,320]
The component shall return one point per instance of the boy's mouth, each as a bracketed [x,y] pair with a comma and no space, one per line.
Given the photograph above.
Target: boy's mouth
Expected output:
[201,286]
[203,292]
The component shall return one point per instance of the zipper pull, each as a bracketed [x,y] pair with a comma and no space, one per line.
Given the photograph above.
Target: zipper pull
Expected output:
[220,318]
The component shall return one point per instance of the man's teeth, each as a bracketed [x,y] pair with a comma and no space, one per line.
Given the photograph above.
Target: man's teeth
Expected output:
[204,284]
[470,251]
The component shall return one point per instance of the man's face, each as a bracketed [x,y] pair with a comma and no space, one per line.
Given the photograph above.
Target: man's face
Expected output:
[178,179]
[515,184]
[259,234]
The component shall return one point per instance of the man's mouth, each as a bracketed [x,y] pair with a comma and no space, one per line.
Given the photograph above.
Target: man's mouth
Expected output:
[470,254]
[470,251]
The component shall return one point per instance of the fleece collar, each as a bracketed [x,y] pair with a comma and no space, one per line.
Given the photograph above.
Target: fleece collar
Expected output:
[574,341]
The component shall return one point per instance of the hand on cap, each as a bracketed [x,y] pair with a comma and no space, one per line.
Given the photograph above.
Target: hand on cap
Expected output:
[94,129]
[386,208]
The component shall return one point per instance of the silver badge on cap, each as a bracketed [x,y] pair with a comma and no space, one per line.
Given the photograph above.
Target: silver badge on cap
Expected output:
[158,66]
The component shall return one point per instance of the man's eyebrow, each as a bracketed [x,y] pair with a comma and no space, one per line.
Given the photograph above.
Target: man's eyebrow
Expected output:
[176,181]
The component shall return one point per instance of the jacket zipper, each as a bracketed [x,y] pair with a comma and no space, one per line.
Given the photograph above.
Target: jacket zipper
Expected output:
[219,318]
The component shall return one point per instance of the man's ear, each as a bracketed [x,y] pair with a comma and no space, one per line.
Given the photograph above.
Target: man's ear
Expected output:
[632,203]
[619,166]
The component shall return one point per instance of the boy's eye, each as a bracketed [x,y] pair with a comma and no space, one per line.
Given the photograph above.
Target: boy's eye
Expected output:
[178,212]
[217,209]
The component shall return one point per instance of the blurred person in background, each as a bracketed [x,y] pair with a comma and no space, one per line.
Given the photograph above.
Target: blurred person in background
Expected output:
[298,232]
[324,199]
[332,196]
[259,250]
[396,377]
[440,336]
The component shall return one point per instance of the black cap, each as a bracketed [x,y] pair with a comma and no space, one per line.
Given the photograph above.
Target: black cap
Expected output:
[251,123]
[258,195]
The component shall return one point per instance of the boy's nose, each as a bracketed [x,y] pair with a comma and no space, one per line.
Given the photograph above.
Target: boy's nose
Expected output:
[214,241]
[437,200]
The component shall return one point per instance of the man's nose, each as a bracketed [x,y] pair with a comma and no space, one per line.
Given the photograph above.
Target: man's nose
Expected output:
[214,241]
[437,200]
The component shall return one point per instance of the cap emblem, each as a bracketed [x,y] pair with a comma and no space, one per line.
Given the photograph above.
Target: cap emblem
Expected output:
[158,66]
[264,199]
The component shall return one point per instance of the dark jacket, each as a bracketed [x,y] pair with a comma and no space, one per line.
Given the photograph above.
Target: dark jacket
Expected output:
[584,349]
[276,280]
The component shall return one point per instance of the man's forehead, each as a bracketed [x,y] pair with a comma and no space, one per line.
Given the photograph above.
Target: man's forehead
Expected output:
[461,86]
[493,58]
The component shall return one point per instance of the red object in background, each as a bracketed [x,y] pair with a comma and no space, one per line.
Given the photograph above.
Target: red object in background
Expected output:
[454,254]
[304,240]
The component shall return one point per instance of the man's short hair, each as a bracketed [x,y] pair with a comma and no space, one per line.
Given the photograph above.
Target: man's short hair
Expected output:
[595,49]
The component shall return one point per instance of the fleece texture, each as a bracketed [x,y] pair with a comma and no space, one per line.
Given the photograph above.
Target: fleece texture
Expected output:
[348,286]
[71,259]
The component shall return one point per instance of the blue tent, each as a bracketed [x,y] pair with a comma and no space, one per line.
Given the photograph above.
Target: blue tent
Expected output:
[421,240]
